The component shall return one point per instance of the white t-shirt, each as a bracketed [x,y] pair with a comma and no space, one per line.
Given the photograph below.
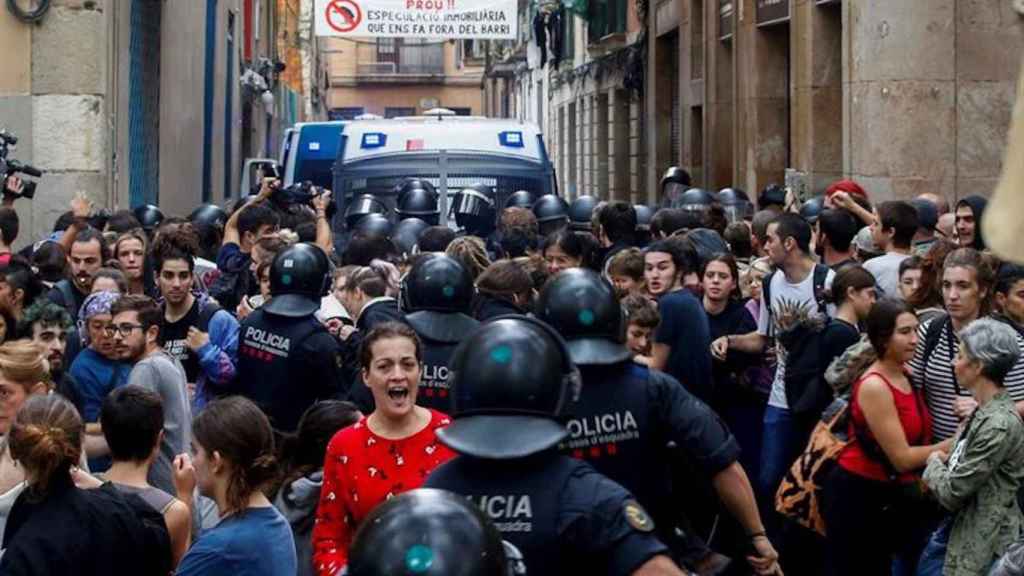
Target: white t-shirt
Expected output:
[886,270]
[782,290]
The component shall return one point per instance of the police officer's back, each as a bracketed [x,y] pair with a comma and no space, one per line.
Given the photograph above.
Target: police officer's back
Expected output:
[286,358]
[511,381]
[436,296]
[632,423]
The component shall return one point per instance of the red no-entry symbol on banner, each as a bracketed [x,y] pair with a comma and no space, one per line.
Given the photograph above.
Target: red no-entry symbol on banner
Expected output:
[344,15]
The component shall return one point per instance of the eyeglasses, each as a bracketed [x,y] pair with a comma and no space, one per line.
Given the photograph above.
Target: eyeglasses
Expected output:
[122,329]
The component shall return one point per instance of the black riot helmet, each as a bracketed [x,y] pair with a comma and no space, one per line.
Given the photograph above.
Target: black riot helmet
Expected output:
[511,380]
[438,283]
[374,225]
[520,199]
[361,206]
[436,296]
[811,209]
[772,195]
[418,199]
[736,204]
[707,243]
[149,216]
[695,200]
[407,233]
[552,213]
[298,278]
[674,182]
[427,532]
[473,210]
[582,306]
[209,214]
[644,215]
[580,213]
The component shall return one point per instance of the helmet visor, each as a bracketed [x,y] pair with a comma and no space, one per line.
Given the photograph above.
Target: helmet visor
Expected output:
[671,194]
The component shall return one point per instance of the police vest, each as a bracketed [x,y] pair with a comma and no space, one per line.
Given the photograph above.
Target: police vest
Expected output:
[612,428]
[523,498]
[433,391]
[270,371]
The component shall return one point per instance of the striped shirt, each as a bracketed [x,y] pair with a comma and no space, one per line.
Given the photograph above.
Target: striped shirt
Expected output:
[936,378]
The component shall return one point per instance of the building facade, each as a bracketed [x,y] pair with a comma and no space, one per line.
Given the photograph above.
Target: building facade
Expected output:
[393,77]
[905,97]
[149,101]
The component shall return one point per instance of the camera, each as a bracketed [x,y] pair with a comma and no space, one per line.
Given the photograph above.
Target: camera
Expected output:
[300,194]
[10,167]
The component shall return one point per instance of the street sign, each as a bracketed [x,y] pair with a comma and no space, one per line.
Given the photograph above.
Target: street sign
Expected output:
[440,19]
[343,16]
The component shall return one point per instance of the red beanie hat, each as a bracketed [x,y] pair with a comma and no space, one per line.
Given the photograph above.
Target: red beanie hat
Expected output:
[848,186]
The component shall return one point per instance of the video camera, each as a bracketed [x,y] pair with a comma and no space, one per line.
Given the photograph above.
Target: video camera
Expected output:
[10,167]
[299,194]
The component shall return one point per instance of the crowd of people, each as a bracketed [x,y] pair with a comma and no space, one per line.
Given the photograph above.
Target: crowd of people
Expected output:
[721,385]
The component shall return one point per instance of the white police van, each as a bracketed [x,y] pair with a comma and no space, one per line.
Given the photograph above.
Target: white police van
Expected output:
[449,151]
[308,152]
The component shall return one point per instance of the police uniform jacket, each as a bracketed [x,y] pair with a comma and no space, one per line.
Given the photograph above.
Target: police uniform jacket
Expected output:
[560,513]
[627,420]
[285,365]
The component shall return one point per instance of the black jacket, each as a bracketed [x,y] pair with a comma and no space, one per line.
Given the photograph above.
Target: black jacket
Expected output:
[97,532]
[486,307]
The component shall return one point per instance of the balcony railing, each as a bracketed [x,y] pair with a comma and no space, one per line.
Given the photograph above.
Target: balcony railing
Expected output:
[398,59]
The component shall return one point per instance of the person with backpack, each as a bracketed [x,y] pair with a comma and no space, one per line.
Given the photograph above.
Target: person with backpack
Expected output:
[88,253]
[871,502]
[196,331]
[967,285]
[794,311]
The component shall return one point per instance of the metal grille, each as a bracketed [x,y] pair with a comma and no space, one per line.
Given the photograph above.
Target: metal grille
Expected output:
[144,103]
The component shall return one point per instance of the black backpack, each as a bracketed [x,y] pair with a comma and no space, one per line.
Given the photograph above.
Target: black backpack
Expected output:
[807,392]
[229,287]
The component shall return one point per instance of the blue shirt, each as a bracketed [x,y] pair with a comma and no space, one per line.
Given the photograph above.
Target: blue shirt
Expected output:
[256,543]
[96,376]
[684,328]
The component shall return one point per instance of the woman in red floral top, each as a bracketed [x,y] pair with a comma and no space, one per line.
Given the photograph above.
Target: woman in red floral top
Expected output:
[384,454]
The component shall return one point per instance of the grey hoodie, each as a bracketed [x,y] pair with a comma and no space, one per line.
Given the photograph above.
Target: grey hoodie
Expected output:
[297,502]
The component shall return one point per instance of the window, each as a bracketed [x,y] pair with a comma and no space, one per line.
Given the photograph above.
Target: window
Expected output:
[605,17]
[461,111]
[569,45]
[347,113]
[394,112]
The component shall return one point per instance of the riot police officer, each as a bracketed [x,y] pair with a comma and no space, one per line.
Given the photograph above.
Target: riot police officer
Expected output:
[644,215]
[418,199]
[674,182]
[811,209]
[209,214]
[628,416]
[407,234]
[552,213]
[581,211]
[520,199]
[773,197]
[436,296]
[287,360]
[373,225]
[695,200]
[428,533]
[512,380]
[736,204]
[361,206]
[473,210]
[149,216]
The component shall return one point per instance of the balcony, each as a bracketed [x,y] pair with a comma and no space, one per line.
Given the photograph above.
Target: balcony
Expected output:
[396,61]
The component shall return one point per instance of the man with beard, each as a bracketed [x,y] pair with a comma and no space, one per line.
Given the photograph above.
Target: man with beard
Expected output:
[87,255]
[135,327]
[47,325]
[196,331]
